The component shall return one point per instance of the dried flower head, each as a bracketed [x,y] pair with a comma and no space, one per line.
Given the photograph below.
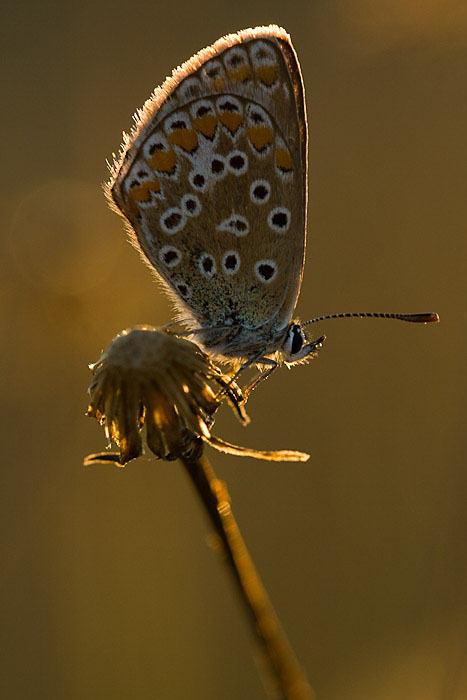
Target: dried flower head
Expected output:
[154,387]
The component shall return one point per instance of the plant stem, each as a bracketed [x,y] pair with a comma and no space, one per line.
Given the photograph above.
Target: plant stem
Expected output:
[289,677]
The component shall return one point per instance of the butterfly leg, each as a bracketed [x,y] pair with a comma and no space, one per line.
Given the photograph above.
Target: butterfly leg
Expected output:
[258,358]
[253,383]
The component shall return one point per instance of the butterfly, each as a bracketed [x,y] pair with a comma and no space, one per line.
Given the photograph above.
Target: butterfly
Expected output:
[212,183]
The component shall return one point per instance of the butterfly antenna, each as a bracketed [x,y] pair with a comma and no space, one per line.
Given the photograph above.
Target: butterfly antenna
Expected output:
[412,318]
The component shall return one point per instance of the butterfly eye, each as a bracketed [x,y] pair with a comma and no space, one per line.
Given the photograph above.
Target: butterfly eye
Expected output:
[294,342]
[298,340]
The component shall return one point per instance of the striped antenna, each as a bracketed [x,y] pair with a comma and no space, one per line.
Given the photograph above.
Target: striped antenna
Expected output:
[412,318]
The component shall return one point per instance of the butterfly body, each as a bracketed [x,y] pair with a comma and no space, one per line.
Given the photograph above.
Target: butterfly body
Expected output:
[213,185]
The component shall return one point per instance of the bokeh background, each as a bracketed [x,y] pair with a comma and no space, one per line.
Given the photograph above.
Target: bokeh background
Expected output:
[109,587]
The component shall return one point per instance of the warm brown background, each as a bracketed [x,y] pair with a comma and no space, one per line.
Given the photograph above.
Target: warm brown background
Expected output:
[108,588]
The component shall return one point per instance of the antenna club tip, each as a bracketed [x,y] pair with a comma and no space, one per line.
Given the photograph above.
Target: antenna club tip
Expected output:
[425,318]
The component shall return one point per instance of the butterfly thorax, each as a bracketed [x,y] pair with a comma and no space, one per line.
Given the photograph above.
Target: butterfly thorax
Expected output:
[238,343]
[269,345]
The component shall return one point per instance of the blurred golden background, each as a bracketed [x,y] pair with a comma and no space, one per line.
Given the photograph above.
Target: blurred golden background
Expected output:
[109,589]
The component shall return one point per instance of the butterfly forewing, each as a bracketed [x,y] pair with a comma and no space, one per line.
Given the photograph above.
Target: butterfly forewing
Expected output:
[213,181]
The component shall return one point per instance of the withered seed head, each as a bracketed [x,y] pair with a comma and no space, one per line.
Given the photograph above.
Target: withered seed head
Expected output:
[148,378]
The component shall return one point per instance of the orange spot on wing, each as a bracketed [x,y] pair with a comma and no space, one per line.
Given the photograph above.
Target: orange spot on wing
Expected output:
[219,83]
[260,136]
[185,138]
[240,74]
[231,120]
[142,193]
[131,209]
[163,161]
[284,159]
[206,125]
[268,74]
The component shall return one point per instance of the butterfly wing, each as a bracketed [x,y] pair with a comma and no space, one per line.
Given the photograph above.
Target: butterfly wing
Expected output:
[213,181]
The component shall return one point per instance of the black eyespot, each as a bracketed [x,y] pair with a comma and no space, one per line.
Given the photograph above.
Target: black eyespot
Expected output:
[237,162]
[266,271]
[201,111]
[207,265]
[155,147]
[229,106]
[280,219]
[172,220]
[236,224]
[260,192]
[231,262]
[183,289]
[199,180]
[217,166]
[235,60]
[257,117]
[170,256]
[239,225]
[178,125]
[297,340]
[134,183]
[213,72]
[142,173]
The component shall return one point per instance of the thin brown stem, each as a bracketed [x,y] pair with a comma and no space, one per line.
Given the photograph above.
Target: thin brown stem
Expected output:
[290,678]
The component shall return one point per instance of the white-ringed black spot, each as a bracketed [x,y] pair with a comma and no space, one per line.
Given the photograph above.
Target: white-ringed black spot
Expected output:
[213,72]
[157,146]
[256,117]
[235,61]
[170,256]
[260,191]
[236,224]
[217,166]
[197,181]
[262,53]
[235,58]
[228,106]
[279,219]
[265,270]
[172,220]
[204,109]
[207,265]
[238,162]
[191,205]
[231,262]
[179,120]
[190,88]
